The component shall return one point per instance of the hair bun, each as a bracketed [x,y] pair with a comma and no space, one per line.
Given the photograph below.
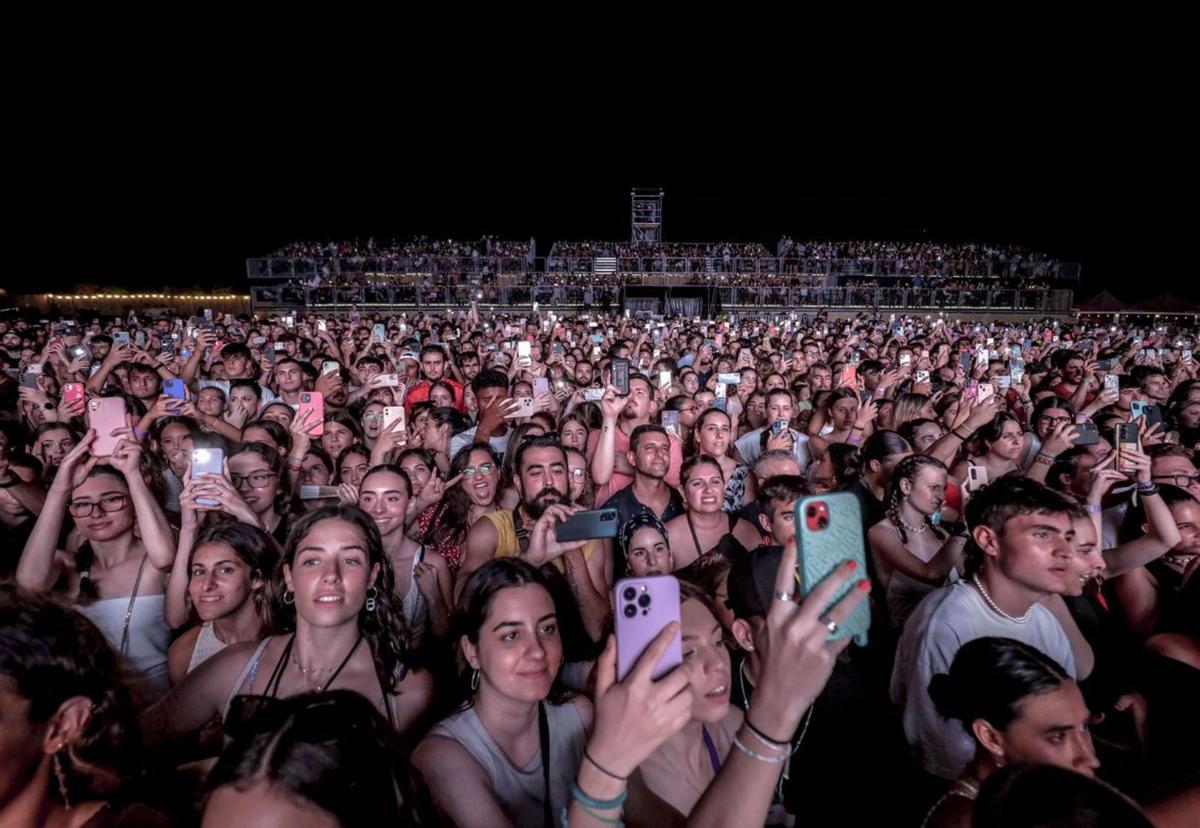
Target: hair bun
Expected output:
[941,691]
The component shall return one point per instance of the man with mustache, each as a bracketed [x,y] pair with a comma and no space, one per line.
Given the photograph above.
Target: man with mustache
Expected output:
[528,532]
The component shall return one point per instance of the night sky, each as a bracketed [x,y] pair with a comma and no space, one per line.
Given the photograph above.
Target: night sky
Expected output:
[154,211]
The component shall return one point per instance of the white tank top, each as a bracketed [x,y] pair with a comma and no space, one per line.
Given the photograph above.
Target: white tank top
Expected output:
[207,646]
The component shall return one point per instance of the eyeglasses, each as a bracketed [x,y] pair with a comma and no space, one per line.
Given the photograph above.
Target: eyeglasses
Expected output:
[1053,421]
[372,418]
[108,505]
[257,480]
[1180,480]
[482,468]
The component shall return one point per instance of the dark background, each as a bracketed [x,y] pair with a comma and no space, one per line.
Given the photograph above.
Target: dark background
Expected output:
[151,200]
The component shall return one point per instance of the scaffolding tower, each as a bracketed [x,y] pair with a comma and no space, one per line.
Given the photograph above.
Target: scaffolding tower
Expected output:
[646,210]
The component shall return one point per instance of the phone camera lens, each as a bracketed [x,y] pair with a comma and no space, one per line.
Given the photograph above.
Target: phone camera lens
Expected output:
[630,610]
[630,593]
[812,511]
[823,522]
[643,600]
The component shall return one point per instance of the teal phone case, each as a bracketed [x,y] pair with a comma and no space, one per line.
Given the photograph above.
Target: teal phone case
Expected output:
[820,550]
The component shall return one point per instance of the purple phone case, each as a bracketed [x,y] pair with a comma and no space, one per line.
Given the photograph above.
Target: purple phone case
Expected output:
[634,633]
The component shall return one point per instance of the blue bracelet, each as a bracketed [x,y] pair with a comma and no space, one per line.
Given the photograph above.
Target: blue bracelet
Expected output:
[602,804]
[618,822]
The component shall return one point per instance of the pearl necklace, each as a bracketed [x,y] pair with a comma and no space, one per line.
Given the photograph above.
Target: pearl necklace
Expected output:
[915,530]
[987,599]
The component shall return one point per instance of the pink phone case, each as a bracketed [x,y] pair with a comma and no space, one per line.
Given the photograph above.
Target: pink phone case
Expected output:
[73,391]
[316,401]
[644,607]
[105,415]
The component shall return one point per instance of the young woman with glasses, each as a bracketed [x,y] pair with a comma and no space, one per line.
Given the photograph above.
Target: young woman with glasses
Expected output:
[443,526]
[112,573]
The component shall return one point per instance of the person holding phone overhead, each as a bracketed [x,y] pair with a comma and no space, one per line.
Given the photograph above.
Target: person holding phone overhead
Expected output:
[609,445]
[113,575]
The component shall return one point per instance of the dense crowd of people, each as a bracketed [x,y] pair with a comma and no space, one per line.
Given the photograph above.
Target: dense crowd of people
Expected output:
[490,569]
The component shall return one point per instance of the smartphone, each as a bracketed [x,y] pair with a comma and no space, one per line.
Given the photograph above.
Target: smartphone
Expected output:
[317,492]
[670,422]
[541,386]
[620,375]
[105,415]
[596,523]
[1126,440]
[207,461]
[1003,382]
[849,376]
[315,401]
[922,376]
[175,388]
[392,380]
[779,428]
[330,366]
[379,332]
[30,378]
[72,391]
[1153,415]
[664,381]
[828,531]
[729,379]
[966,362]
[524,354]
[391,413]
[524,408]
[120,338]
[593,394]
[644,607]
[971,390]
[985,391]
[977,478]
[1086,434]
[905,359]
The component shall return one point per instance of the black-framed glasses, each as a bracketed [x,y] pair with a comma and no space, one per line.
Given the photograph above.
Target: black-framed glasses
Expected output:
[257,480]
[107,505]
[1053,421]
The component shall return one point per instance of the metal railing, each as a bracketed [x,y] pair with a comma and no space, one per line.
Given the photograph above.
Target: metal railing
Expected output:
[487,267]
[761,296]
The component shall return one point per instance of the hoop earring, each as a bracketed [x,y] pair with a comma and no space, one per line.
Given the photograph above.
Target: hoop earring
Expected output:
[372,594]
[474,680]
[289,597]
[61,776]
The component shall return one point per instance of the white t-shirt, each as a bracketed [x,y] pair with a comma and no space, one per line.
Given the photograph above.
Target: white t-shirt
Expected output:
[749,446]
[465,438]
[944,621]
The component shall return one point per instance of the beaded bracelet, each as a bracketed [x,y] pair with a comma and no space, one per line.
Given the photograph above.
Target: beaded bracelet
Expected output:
[563,817]
[773,760]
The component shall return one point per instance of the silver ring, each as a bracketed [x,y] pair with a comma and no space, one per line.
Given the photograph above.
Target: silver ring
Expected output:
[832,626]
[784,596]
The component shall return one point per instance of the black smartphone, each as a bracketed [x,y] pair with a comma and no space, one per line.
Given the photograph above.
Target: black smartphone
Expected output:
[1153,415]
[1086,434]
[620,375]
[598,523]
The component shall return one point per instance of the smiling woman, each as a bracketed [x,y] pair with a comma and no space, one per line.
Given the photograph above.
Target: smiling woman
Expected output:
[509,755]
[333,590]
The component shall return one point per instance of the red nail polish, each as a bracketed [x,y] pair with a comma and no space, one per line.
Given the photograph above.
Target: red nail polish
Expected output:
[864,585]
[852,565]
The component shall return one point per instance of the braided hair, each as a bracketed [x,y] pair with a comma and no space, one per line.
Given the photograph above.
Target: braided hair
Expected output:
[908,469]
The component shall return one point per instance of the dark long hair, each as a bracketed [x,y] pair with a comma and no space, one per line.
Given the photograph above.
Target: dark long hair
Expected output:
[385,628]
[451,524]
[282,501]
[254,547]
[692,447]
[50,654]
[475,603]
[85,556]
[331,749]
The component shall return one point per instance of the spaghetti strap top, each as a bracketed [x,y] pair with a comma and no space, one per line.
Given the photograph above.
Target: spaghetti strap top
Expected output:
[246,677]
[728,546]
